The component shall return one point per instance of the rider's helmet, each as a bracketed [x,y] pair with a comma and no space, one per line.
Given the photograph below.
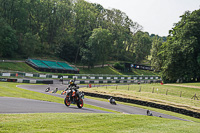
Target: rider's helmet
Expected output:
[71,82]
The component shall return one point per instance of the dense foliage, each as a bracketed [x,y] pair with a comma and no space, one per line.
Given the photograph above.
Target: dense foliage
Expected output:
[179,57]
[70,29]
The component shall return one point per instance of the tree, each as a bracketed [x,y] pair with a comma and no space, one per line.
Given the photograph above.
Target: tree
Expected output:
[98,47]
[142,46]
[156,53]
[181,51]
[8,41]
[84,23]
[30,43]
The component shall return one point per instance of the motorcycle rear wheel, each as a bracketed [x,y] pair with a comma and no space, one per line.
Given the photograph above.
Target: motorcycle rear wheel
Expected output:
[80,103]
[67,102]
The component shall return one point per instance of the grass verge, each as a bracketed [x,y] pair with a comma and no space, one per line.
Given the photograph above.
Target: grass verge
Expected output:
[84,123]
[154,93]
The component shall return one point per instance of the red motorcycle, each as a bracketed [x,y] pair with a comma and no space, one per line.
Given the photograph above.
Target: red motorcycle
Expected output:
[73,96]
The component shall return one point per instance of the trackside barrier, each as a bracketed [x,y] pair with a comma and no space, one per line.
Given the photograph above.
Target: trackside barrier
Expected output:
[84,77]
[27,81]
[149,104]
[114,81]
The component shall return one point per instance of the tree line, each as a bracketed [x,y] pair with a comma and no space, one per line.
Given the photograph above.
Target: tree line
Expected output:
[178,58]
[79,31]
[74,30]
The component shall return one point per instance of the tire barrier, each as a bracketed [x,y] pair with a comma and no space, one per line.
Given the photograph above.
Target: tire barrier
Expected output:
[149,104]
[27,81]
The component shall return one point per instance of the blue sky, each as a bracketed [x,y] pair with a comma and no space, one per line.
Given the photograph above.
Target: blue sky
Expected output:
[156,16]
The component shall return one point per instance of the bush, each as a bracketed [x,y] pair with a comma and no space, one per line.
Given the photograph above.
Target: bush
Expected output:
[119,66]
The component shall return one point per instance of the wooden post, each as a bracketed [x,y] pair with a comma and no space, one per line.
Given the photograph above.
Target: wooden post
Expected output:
[195,96]
[180,93]
[140,89]
[166,91]
[153,90]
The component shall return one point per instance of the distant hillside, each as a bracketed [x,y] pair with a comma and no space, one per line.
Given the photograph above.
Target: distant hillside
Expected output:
[23,67]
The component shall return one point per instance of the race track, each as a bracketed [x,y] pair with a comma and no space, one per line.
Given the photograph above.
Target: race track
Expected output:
[20,105]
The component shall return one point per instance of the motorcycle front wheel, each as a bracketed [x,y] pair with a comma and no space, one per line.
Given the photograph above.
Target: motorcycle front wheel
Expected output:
[80,103]
[67,101]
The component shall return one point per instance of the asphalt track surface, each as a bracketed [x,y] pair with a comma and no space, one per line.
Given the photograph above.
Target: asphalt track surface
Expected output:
[20,105]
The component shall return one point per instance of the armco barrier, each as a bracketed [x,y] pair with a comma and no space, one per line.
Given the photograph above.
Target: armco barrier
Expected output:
[149,104]
[84,77]
[114,81]
[27,81]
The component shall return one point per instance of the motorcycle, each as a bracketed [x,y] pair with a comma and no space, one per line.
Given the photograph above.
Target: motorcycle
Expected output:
[72,97]
[112,101]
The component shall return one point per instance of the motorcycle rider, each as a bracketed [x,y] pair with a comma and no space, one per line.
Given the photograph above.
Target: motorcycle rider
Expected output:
[72,84]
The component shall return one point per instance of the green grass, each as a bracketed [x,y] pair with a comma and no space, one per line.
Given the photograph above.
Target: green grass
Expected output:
[98,70]
[159,94]
[10,90]
[87,123]
[23,67]
[74,122]
[16,66]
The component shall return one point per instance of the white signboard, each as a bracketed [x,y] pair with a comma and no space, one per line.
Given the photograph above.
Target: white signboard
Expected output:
[6,74]
[84,77]
[54,76]
[43,76]
[65,77]
[75,77]
[29,75]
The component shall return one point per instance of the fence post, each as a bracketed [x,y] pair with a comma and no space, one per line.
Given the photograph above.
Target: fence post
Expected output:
[180,93]
[140,88]
[166,91]
[153,90]
[195,96]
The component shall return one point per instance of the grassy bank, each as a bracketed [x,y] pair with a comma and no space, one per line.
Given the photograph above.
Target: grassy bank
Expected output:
[23,67]
[169,95]
[16,66]
[105,123]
